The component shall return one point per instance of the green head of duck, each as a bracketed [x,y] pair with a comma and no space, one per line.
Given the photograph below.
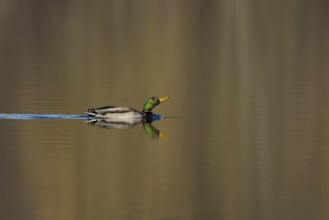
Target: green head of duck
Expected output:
[153,102]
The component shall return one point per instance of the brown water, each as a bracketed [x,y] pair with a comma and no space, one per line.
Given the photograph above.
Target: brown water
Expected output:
[246,133]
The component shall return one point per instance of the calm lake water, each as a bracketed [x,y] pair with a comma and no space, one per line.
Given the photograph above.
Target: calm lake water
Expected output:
[245,134]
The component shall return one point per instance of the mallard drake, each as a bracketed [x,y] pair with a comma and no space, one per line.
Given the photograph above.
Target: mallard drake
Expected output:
[125,113]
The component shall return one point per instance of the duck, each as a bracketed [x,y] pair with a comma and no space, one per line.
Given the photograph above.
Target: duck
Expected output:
[127,114]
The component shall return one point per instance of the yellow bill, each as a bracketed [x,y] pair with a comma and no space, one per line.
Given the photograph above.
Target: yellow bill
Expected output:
[164,98]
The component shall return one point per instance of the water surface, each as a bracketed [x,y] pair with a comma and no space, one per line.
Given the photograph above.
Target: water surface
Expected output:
[245,134]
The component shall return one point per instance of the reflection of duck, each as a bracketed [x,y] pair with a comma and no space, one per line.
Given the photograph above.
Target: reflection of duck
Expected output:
[149,129]
[126,114]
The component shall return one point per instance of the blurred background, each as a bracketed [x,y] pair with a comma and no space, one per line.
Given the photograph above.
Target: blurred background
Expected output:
[246,128]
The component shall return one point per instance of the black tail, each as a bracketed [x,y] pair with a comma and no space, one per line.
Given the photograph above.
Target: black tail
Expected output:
[91,112]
